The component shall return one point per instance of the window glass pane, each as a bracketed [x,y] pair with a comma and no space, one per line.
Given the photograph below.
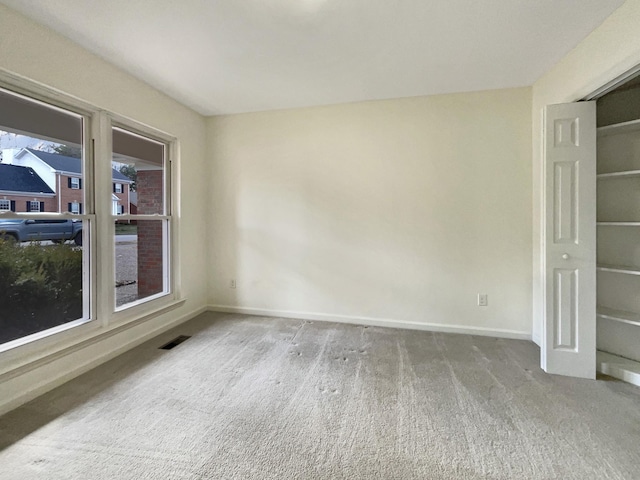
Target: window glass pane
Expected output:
[138,188]
[42,261]
[40,172]
[41,276]
[141,260]
[36,119]
[138,174]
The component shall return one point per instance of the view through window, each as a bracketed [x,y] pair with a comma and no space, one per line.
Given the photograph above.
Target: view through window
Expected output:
[142,227]
[42,260]
[47,213]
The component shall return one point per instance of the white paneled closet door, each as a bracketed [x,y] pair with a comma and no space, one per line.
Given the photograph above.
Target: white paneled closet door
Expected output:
[569,330]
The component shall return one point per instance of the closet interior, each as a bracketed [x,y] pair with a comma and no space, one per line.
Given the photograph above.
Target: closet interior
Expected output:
[618,232]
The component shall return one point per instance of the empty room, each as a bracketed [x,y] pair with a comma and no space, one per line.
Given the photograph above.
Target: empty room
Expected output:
[319,239]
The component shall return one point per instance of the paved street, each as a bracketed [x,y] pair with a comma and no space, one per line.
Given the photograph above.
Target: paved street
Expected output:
[126,238]
[126,268]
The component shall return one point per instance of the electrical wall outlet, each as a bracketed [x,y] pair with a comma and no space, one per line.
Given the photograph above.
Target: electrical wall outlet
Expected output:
[483,299]
[232,283]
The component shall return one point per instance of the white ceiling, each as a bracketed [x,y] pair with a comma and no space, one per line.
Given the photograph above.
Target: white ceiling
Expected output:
[232,56]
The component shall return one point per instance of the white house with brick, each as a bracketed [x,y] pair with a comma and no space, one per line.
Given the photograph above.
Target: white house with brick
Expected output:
[22,190]
[63,176]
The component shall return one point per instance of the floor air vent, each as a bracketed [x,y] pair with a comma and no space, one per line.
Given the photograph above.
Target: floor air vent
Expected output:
[175,342]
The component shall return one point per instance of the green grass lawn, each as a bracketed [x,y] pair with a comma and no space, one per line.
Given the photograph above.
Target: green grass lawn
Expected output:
[126,229]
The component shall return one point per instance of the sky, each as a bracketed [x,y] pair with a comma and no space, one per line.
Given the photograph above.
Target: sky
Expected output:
[13,140]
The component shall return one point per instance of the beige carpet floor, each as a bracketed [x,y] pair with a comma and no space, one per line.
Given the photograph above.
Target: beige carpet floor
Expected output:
[261,398]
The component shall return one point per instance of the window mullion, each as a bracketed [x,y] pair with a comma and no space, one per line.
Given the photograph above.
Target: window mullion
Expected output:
[104,228]
[88,219]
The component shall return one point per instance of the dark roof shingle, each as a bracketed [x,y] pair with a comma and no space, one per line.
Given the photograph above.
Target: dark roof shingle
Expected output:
[14,178]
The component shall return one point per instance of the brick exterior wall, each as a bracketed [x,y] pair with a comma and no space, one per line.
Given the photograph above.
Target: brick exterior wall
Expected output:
[66,195]
[150,261]
[69,195]
[50,203]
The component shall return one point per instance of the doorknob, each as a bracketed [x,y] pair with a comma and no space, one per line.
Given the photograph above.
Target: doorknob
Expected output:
[565,256]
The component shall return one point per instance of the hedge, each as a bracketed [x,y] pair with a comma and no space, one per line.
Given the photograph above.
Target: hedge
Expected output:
[40,287]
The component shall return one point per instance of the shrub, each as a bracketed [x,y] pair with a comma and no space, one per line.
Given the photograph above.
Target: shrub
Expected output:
[40,287]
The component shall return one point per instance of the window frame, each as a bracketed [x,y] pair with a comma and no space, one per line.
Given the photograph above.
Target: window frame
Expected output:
[8,202]
[170,282]
[75,183]
[30,346]
[117,187]
[101,319]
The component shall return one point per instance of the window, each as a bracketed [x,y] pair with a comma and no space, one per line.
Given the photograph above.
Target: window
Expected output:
[75,207]
[115,205]
[44,279]
[142,271]
[37,302]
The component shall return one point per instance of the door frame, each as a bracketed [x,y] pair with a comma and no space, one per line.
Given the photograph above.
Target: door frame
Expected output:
[595,94]
[613,84]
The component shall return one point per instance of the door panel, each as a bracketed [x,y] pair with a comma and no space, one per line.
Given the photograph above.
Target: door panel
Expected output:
[568,346]
[565,285]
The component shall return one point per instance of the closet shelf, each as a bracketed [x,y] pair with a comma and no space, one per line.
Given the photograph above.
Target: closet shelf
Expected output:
[630,318]
[619,269]
[617,128]
[622,174]
[618,224]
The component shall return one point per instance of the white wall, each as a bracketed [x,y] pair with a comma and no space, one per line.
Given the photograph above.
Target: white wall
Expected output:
[393,212]
[41,55]
[609,51]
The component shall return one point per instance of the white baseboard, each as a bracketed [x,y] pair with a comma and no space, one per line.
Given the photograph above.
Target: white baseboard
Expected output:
[71,370]
[375,322]
[537,340]
[618,367]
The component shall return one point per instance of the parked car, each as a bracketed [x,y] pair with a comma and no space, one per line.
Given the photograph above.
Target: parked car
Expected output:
[42,229]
